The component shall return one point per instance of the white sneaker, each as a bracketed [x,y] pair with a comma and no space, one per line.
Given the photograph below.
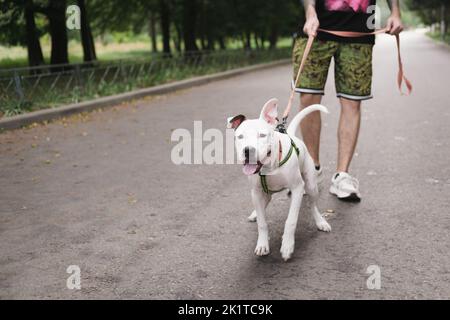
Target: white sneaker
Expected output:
[345,187]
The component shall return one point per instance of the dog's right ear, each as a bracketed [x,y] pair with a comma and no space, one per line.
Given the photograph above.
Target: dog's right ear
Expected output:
[269,112]
[235,122]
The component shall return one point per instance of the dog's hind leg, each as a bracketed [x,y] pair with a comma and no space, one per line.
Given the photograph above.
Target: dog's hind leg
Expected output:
[254,215]
[312,190]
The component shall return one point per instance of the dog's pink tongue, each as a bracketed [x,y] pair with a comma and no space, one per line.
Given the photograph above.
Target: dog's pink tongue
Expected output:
[249,169]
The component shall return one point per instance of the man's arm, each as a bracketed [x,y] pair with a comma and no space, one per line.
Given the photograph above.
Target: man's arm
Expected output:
[394,23]
[312,22]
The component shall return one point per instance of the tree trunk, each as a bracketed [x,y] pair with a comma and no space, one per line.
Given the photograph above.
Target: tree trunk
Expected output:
[58,31]
[35,56]
[256,41]
[274,24]
[189,25]
[164,12]
[152,31]
[177,40]
[210,43]
[203,42]
[273,36]
[248,41]
[222,43]
[443,24]
[87,40]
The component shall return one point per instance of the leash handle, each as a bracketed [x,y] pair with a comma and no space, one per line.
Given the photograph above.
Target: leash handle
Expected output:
[401,75]
[306,52]
[348,34]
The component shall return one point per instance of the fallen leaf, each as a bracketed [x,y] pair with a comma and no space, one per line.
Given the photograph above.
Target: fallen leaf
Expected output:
[131,199]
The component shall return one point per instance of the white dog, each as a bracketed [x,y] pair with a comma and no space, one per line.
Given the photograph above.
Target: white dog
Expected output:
[274,162]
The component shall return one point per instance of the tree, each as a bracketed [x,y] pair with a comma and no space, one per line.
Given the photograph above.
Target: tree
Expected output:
[35,56]
[152,31]
[181,24]
[164,11]
[55,10]
[190,8]
[87,39]
[432,12]
[18,27]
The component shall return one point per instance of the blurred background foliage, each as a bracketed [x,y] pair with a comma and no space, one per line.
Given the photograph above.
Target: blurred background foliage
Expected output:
[119,29]
[32,32]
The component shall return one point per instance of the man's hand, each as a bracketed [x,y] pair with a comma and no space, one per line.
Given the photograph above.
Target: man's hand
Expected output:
[394,25]
[312,22]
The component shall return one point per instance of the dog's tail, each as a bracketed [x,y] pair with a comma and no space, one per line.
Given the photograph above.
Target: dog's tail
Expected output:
[293,126]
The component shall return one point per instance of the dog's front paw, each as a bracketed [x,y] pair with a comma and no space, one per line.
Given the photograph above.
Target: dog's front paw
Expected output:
[324,226]
[262,248]
[287,249]
[252,217]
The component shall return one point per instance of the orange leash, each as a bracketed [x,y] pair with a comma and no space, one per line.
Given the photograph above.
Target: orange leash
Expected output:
[348,34]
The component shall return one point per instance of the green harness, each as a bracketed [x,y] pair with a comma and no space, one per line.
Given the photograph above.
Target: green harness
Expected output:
[286,159]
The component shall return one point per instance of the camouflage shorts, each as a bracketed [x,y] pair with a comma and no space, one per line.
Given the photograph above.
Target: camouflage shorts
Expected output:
[353,68]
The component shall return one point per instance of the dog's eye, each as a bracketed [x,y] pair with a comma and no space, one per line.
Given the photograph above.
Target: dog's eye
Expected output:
[241,136]
[263,135]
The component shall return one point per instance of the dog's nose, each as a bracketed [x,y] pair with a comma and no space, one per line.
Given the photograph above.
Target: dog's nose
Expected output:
[249,153]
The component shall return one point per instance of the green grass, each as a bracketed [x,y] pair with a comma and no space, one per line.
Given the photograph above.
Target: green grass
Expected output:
[52,91]
[16,57]
[110,47]
[125,47]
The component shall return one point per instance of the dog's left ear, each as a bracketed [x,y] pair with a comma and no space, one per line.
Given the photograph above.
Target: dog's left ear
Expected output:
[235,122]
[269,112]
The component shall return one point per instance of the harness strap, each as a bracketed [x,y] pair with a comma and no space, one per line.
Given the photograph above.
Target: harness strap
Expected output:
[266,188]
[264,185]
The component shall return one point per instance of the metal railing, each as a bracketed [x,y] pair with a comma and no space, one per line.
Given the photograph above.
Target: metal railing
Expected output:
[28,89]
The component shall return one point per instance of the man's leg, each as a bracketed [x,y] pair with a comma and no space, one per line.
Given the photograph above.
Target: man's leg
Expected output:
[348,132]
[343,185]
[311,85]
[353,76]
[311,126]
